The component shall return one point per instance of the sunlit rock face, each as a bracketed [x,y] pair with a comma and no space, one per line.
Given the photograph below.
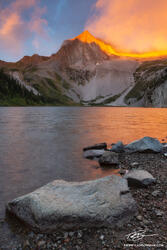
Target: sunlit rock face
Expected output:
[105,202]
[109,49]
[80,53]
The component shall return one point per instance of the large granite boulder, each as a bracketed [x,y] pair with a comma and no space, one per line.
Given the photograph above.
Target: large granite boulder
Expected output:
[96,146]
[146,144]
[62,205]
[139,178]
[109,159]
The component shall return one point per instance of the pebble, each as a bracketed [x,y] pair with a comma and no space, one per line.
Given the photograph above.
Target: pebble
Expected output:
[66,235]
[77,247]
[2,221]
[101,237]
[146,222]
[31,235]
[71,234]
[159,213]
[79,242]
[26,244]
[139,218]
[79,234]
[157,193]
[41,243]
[134,164]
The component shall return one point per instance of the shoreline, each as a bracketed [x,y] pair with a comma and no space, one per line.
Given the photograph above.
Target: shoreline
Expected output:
[152,204]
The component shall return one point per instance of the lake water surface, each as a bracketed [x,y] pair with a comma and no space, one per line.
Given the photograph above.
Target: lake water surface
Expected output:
[40,144]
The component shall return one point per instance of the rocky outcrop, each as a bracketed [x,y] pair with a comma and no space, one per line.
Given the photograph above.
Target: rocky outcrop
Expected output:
[18,77]
[139,178]
[150,85]
[65,205]
[158,96]
[146,144]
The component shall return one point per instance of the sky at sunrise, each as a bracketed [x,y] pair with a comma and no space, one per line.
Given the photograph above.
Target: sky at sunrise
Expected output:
[40,26]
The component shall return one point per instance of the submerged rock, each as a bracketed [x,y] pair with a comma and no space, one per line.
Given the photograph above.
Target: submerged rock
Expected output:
[109,159]
[105,202]
[139,178]
[96,146]
[118,147]
[90,154]
[146,144]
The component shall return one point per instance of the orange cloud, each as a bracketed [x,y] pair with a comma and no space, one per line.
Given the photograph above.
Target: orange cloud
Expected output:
[9,23]
[8,33]
[131,25]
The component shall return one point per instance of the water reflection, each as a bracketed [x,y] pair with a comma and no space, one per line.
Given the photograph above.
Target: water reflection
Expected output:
[39,145]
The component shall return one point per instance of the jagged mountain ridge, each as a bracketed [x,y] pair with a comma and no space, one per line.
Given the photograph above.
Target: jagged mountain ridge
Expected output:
[82,71]
[33,60]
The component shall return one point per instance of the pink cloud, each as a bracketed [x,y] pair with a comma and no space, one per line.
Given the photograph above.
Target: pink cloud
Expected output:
[14,30]
[38,24]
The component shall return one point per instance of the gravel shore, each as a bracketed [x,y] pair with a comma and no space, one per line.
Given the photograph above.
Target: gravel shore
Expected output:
[152,218]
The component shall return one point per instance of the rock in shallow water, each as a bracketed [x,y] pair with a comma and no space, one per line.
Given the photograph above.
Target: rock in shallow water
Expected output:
[118,147]
[96,146]
[109,159]
[72,205]
[146,144]
[139,178]
[90,154]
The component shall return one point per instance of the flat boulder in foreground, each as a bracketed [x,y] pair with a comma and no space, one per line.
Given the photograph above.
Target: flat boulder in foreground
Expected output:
[144,145]
[62,205]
